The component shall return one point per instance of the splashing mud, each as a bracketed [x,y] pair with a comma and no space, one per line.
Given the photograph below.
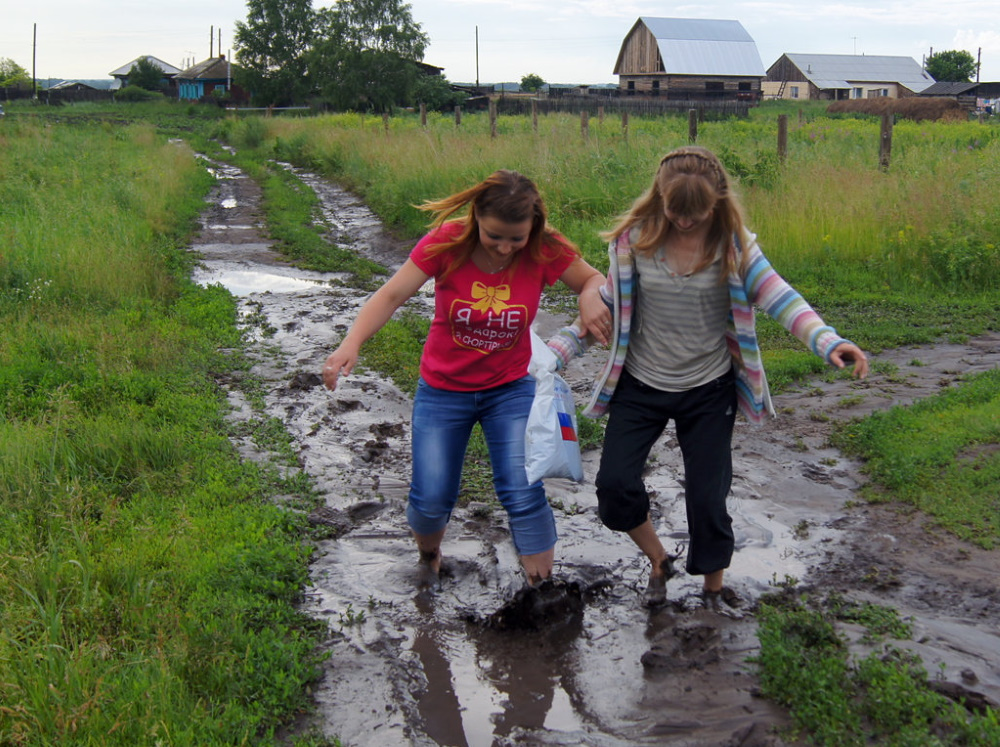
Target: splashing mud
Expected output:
[485,662]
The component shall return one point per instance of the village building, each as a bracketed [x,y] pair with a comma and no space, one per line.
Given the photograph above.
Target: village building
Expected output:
[973,97]
[212,78]
[169,71]
[690,59]
[838,77]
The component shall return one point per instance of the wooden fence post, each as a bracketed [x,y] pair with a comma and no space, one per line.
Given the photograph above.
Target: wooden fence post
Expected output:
[625,124]
[423,116]
[782,136]
[885,142]
[493,118]
[534,116]
[385,122]
[458,116]
[692,126]
[585,124]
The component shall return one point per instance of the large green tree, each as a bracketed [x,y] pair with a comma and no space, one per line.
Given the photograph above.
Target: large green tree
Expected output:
[271,49]
[955,65]
[12,74]
[366,53]
[145,74]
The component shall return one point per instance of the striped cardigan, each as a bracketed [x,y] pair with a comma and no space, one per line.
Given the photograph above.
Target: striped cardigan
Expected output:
[759,286]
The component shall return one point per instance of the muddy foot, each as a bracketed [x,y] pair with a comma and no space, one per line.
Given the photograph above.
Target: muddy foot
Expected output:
[552,602]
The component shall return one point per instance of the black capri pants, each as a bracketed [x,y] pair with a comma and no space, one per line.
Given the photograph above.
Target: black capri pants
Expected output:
[704,419]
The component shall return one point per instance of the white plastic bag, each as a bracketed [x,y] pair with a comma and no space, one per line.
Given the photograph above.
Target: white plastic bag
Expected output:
[552,448]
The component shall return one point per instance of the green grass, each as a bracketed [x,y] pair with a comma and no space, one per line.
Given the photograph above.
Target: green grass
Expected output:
[838,700]
[148,581]
[940,455]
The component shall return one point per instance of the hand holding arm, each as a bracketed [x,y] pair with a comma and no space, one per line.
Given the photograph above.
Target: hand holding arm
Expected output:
[594,312]
[376,311]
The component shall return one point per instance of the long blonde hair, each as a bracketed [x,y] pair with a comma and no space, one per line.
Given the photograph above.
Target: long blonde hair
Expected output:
[689,181]
[507,196]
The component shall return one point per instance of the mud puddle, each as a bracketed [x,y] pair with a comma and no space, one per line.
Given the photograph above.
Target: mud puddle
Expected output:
[585,664]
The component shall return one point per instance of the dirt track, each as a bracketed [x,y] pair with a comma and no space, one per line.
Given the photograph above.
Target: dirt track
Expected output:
[410,669]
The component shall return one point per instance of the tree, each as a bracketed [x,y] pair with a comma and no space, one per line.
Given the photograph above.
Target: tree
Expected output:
[955,65]
[532,83]
[146,74]
[436,93]
[12,74]
[271,50]
[366,54]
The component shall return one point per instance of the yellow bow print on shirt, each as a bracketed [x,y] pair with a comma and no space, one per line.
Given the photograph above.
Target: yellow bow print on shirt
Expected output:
[490,297]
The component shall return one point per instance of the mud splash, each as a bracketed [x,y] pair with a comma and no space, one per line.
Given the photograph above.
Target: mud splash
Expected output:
[582,664]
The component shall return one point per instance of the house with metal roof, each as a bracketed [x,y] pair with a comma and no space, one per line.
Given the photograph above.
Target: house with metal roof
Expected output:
[689,58]
[842,76]
[121,74]
[211,78]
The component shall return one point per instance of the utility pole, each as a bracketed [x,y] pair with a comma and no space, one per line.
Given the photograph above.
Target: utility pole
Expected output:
[34,51]
[477,57]
[211,41]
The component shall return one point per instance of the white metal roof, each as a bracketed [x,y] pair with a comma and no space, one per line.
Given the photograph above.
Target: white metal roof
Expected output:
[124,70]
[700,46]
[844,71]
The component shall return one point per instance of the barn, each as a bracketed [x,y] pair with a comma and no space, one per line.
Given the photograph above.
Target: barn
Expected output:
[689,58]
[842,76]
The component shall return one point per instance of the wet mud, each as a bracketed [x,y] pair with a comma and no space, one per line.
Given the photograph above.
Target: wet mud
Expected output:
[579,662]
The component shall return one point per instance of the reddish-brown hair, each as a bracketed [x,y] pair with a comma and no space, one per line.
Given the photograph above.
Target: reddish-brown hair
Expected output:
[507,196]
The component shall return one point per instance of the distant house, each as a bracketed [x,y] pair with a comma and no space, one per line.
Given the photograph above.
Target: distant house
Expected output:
[213,77]
[121,74]
[970,96]
[843,76]
[687,58]
[71,85]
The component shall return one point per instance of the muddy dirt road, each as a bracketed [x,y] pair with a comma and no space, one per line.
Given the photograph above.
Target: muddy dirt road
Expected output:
[589,666]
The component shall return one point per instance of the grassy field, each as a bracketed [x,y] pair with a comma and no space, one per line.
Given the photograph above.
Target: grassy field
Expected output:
[148,581]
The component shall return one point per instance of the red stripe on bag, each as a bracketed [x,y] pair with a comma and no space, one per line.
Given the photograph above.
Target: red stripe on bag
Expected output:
[566,425]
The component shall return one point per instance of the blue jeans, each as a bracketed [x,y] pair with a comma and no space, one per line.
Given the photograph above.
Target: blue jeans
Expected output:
[442,424]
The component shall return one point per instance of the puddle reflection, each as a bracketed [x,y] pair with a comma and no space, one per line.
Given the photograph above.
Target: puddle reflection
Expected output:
[484,685]
[245,281]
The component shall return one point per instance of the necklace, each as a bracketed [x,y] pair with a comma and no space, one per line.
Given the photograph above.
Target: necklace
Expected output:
[493,267]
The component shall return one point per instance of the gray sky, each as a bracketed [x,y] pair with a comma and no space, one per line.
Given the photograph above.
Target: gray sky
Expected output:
[563,41]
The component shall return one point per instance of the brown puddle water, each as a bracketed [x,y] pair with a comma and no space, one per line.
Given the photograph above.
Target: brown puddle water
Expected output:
[584,663]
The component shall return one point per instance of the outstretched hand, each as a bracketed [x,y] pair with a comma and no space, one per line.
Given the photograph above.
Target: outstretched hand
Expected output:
[847,351]
[340,361]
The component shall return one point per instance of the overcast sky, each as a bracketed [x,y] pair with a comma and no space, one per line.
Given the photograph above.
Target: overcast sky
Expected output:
[563,41]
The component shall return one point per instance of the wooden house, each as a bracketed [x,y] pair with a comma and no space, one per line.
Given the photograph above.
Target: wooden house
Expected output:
[169,71]
[842,76]
[973,97]
[689,58]
[210,79]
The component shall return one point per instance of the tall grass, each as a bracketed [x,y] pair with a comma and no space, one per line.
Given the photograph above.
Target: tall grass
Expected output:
[827,213]
[147,584]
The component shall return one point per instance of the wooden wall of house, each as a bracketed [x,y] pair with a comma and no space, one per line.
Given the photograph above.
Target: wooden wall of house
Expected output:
[640,53]
[784,69]
[690,86]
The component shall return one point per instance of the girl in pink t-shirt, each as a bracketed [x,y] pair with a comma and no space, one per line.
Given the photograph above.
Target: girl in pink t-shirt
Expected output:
[489,268]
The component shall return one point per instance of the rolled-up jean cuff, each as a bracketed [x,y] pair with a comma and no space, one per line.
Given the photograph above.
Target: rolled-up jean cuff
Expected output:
[421,524]
[535,532]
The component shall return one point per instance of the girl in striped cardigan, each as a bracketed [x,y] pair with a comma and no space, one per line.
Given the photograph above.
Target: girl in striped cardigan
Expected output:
[684,276]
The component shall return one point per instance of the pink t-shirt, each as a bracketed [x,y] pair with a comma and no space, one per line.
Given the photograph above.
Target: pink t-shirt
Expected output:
[479,335]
